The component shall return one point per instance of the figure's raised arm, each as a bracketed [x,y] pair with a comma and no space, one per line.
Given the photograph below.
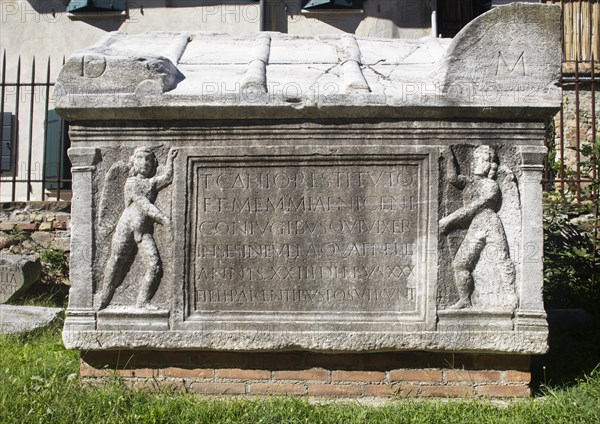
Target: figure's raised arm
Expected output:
[166,178]
[452,174]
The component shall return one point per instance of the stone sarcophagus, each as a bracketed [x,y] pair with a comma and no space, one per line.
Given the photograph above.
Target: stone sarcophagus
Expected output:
[333,193]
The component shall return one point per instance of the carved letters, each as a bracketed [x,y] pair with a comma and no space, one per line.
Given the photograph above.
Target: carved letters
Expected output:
[314,237]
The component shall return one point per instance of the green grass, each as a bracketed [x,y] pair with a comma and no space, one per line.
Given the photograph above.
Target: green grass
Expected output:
[39,383]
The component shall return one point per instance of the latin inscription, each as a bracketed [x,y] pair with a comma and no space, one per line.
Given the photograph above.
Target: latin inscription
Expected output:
[305,238]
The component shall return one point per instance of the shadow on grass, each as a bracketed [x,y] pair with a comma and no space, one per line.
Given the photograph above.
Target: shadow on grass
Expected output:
[574,341]
[48,295]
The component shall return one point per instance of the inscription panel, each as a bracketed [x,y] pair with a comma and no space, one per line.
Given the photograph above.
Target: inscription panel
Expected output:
[307,237]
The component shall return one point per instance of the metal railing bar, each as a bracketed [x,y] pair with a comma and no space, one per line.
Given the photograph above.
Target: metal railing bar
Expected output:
[46,107]
[16,144]
[2,91]
[29,188]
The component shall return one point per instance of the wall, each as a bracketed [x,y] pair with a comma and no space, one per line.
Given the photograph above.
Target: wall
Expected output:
[391,375]
[576,105]
[27,227]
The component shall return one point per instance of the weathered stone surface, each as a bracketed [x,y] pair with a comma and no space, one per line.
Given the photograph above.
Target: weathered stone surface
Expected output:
[245,207]
[23,319]
[490,70]
[17,274]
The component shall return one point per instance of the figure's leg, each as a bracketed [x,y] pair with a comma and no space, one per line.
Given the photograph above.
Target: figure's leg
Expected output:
[464,263]
[120,251]
[153,267]
[506,268]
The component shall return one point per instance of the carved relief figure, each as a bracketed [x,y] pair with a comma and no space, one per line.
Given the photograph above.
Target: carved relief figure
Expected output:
[482,197]
[133,235]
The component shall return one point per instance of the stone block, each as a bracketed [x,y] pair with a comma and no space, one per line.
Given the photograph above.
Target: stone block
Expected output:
[24,319]
[45,226]
[227,202]
[42,237]
[17,274]
[5,241]
[6,226]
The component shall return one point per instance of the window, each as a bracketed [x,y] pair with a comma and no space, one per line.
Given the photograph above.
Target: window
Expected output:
[56,163]
[8,131]
[453,15]
[331,4]
[96,8]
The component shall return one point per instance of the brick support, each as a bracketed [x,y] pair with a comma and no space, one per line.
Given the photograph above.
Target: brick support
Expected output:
[390,375]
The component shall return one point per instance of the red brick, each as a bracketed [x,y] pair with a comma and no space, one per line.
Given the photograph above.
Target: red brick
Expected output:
[406,390]
[143,384]
[93,382]
[333,390]
[59,225]
[446,391]
[27,227]
[518,376]
[312,374]
[471,376]
[138,372]
[416,375]
[218,388]
[171,384]
[276,389]
[188,373]
[357,376]
[86,370]
[239,374]
[381,390]
[504,362]
[503,391]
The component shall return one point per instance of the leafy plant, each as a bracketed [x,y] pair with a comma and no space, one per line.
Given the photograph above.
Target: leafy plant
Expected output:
[54,262]
[570,262]
[571,250]
[16,235]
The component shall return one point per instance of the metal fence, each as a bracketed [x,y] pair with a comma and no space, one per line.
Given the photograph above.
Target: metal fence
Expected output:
[575,129]
[34,165]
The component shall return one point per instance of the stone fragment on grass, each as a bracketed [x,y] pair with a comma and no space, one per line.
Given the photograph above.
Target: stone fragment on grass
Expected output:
[17,274]
[23,319]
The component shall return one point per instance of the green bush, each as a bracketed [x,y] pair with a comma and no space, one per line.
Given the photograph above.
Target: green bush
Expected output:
[571,259]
